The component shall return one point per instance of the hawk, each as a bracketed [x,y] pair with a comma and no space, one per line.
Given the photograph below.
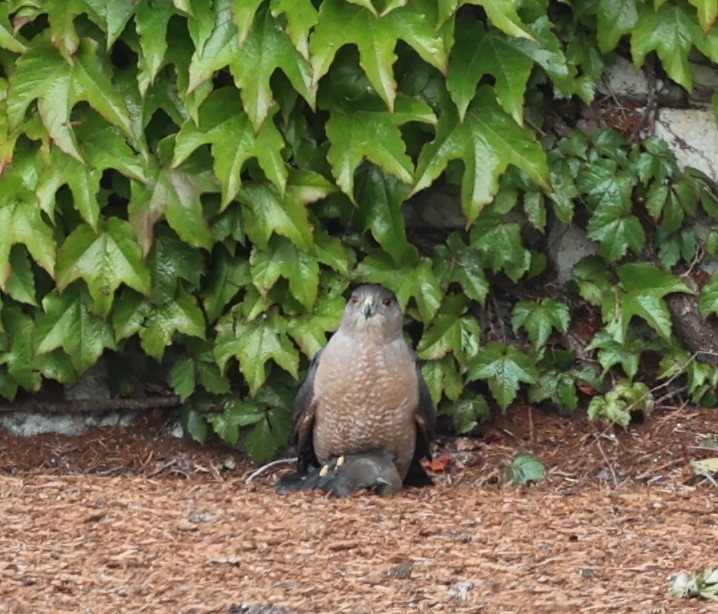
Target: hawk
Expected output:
[364,392]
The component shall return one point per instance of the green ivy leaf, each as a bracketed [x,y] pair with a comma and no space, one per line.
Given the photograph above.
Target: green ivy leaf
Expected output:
[111,16]
[416,280]
[332,252]
[253,344]
[243,13]
[266,48]
[104,146]
[535,210]
[371,135]
[707,13]
[477,53]
[466,413]
[524,469]
[84,183]
[456,262]
[616,229]
[235,414]
[21,283]
[8,386]
[443,378]
[104,260]
[563,193]
[174,194]
[262,442]
[595,284]
[558,387]
[224,125]
[170,260]
[504,367]
[301,18]
[500,245]
[644,287]
[157,324]
[611,353]
[380,197]
[450,332]
[501,13]
[41,74]
[228,276]
[211,378]
[215,40]
[309,330]
[182,377]
[69,324]
[151,22]
[19,359]
[547,51]
[615,19]
[708,300]
[282,259]
[22,223]
[162,322]
[656,197]
[200,367]
[617,405]
[669,30]
[538,318]
[376,39]
[487,141]
[9,37]
[266,212]
[60,16]
[194,424]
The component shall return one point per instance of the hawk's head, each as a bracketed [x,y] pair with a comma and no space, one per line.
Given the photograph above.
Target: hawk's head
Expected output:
[372,309]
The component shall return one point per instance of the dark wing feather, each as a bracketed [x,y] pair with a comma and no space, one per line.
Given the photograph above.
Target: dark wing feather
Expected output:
[425,420]
[303,417]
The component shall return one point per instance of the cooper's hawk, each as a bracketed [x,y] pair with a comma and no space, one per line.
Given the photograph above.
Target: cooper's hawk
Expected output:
[365,393]
[374,471]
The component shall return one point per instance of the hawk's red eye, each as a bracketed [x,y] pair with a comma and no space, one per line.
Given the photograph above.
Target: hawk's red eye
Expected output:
[353,300]
[387,302]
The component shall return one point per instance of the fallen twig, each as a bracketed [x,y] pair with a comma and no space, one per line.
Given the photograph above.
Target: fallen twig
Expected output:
[265,468]
[597,441]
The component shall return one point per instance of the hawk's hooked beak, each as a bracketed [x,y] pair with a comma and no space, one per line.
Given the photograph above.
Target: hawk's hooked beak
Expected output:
[368,307]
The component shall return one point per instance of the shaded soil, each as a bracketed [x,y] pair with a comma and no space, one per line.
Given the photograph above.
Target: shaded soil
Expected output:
[130,519]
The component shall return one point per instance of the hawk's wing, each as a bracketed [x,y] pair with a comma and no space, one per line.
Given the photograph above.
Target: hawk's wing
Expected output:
[303,416]
[425,420]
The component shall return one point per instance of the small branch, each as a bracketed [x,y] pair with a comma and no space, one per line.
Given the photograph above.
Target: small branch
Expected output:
[265,468]
[681,371]
[92,405]
[698,258]
[597,441]
[647,125]
[531,423]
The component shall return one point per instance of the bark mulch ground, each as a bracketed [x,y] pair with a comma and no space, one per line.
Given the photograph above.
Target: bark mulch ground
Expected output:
[134,520]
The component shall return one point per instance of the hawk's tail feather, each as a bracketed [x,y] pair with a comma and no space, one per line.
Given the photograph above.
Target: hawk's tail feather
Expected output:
[417,476]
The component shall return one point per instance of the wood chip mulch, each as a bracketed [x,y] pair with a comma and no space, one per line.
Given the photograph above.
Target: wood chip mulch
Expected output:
[95,544]
[150,540]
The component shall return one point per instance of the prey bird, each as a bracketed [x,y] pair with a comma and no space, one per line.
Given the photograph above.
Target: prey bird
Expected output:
[341,476]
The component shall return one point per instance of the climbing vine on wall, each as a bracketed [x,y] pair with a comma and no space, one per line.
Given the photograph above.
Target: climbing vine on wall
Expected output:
[200,182]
